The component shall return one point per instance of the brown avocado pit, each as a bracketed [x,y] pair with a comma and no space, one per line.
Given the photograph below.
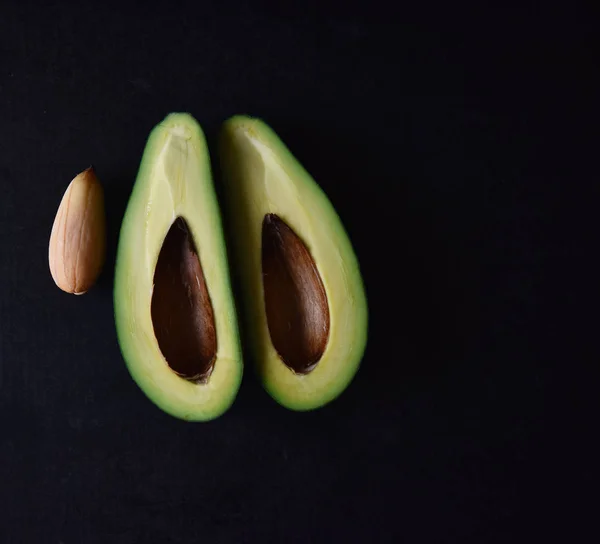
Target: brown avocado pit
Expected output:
[296,303]
[181,309]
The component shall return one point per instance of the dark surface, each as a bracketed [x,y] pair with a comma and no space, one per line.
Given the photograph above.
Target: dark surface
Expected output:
[456,154]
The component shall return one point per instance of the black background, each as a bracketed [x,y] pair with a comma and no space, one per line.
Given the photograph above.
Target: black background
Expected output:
[453,147]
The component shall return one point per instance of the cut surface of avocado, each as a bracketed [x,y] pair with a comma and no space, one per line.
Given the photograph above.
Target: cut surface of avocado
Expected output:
[302,291]
[174,310]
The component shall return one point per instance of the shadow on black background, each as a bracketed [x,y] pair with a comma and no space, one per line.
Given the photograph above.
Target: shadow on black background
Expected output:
[118,185]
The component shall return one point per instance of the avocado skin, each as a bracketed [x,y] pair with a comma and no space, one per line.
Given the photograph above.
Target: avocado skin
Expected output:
[182,403]
[294,395]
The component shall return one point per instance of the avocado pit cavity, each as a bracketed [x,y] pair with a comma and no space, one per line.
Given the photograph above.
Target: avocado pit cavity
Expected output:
[181,309]
[296,303]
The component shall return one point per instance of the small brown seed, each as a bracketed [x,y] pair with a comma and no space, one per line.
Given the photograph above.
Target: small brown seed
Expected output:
[78,240]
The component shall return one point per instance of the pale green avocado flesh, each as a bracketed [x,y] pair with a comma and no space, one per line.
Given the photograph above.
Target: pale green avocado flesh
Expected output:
[303,295]
[174,310]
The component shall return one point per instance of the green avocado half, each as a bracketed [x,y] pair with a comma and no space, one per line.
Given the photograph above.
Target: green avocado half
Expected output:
[302,292]
[174,309]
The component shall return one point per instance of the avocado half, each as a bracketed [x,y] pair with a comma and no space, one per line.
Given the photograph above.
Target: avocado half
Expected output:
[174,309]
[303,295]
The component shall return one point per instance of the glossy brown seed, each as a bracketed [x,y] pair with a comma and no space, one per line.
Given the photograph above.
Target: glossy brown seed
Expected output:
[181,309]
[295,299]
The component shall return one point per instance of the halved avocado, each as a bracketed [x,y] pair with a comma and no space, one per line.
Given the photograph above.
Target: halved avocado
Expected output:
[303,295]
[174,310]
